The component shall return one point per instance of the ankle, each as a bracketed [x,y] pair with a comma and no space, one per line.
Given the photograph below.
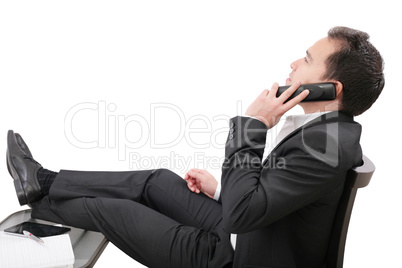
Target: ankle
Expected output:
[46,179]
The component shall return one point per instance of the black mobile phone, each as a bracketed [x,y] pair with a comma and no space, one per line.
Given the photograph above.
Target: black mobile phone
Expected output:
[38,229]
[318,92]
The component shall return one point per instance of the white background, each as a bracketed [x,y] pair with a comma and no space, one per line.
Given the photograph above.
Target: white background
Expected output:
[204,58]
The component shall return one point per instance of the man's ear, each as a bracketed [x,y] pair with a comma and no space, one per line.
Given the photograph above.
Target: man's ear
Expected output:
[338,87]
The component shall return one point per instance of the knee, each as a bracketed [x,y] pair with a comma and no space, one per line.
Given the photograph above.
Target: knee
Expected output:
[162,182]
[164,175]
[164,172]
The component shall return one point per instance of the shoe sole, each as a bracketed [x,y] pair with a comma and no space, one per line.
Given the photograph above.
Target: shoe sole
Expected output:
[17,181]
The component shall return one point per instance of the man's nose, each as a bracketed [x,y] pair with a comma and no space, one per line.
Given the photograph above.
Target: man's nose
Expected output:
[293,66]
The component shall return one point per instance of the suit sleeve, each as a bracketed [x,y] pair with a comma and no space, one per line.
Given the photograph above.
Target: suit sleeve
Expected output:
[254,195]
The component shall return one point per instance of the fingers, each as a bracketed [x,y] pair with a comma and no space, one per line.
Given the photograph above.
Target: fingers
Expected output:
[191,178]
[192,173]
[274,90]
[197,173]
[192,185]
[288,92]
[296,100]
[269,109]
[201,181]
[264,93]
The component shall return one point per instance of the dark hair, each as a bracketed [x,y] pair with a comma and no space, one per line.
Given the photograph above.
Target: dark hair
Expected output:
[358,65]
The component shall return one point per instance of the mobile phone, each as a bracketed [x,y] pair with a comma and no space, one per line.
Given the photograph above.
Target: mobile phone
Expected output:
[318,92]
[37,229]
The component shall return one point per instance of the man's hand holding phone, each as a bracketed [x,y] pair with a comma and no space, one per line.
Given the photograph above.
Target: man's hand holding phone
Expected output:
[269,109]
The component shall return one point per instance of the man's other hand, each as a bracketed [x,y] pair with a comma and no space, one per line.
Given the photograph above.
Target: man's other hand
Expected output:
[269,109]
[201,181]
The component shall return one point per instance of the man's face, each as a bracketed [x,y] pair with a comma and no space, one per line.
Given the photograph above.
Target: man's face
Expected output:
[311,68]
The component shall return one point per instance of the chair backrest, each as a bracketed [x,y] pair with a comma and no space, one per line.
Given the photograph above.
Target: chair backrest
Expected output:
[356,178]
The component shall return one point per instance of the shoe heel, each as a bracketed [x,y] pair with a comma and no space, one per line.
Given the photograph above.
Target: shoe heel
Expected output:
[20,192]
[17,184]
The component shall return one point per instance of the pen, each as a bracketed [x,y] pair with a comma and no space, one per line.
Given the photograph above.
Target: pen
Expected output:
[33,237]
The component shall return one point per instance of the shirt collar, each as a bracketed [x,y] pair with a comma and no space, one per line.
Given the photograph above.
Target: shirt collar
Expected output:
[293,122]
[301,119]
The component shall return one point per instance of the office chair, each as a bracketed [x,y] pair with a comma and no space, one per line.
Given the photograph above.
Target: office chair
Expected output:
[358,177]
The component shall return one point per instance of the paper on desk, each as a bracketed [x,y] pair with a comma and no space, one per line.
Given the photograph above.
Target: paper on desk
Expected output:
[24,252]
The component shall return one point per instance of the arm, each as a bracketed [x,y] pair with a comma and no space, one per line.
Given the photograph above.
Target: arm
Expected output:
[266,108]
[251,199]
[255,195]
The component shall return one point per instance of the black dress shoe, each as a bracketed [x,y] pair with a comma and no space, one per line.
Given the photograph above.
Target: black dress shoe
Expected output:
[23,168]
[23,145]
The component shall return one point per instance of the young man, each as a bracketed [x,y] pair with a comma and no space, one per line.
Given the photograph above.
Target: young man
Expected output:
[280,209]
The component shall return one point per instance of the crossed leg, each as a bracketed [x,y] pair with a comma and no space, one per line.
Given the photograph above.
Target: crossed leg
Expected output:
[150,215]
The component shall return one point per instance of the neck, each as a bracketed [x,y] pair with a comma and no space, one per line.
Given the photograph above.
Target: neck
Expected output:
[320,106]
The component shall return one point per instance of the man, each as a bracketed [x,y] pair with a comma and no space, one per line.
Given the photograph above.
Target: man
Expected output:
[280,210]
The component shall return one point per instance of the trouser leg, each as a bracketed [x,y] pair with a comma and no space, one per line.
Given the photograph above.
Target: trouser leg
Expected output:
[160,189]
[123,185]
[118,204]
[141,232]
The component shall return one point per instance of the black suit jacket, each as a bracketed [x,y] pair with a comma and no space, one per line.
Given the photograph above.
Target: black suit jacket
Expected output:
[282,209]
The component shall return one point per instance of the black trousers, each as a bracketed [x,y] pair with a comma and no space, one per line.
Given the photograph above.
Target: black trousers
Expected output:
[150,215]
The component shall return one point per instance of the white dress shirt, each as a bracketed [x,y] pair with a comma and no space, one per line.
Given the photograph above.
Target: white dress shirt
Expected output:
[292,122]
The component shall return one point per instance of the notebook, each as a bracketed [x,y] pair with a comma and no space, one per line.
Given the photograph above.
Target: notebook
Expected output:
[20,252]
